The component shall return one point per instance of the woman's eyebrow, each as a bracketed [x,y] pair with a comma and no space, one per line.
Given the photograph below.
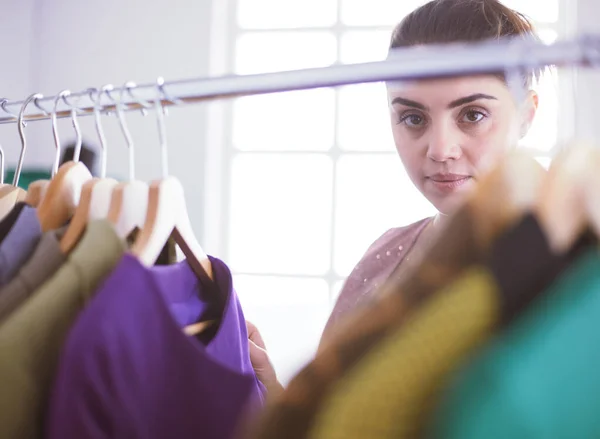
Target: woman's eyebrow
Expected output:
[409,103]
[469,99]
[455,103]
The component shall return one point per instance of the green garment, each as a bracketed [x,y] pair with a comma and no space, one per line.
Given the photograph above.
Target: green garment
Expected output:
[539,379]
[27,176]
[31,338]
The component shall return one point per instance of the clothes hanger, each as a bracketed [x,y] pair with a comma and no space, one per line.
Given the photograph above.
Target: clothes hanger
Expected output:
[95,193]
[562,210]
[102,191]
[167,216]
[37,189]
[591,191]
[12,194]
[129,202]
[64,190]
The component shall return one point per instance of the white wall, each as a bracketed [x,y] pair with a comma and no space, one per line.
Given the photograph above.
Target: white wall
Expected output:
[76,45]
[587,82]
[17,36]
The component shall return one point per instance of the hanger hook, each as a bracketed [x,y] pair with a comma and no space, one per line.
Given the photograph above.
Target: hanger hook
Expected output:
[54,118]
[3,102]
[36,102]
[21,128]
[162,126]
[129,86]
[98,121]
[75,123]
[119,106]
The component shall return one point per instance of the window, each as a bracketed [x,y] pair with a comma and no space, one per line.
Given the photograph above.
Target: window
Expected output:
[310,173]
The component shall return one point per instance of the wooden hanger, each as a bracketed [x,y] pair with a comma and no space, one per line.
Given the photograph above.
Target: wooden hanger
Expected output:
[95,197]
[79,220]
[93,204]
[562,210]
[62,196]
[36,191]
[167,217]
[128,207]
[101,198]
[64,191]
[591,194]
[129,200]
[12,194]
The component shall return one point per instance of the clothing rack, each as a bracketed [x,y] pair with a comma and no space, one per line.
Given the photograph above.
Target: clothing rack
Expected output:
[403,64]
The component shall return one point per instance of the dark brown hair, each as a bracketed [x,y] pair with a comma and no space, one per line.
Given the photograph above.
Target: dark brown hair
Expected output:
[453,21]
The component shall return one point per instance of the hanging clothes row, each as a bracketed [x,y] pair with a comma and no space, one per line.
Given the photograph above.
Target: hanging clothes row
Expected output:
[491,333]
[103,333]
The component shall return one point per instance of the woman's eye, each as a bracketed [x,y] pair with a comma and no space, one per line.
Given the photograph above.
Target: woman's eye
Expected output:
[473,116]
[412,120]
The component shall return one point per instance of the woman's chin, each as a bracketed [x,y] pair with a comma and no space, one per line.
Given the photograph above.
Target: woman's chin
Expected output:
[449,203]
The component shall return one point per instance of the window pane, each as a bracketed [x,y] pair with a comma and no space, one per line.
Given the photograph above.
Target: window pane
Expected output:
[300,120]
[537,10]
[290,314]
[336,289]
[544,131]
[364,118]
[548,36]
[544,161]
[374,194]
[269,14]
[278,51]
[281,213]
[376,12]
[364,46]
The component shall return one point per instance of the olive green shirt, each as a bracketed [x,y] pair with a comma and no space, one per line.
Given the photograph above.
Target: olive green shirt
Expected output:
[31,338]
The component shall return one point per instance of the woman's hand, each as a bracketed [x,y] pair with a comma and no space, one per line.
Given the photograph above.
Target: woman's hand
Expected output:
[263,368]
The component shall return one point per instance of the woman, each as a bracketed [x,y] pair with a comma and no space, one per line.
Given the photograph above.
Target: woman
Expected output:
[447,133]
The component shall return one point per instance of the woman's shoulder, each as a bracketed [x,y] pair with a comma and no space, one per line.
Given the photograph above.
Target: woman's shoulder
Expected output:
[376,265]
[397,239]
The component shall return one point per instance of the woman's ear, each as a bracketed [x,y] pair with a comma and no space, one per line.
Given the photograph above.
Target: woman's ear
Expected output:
[529,108]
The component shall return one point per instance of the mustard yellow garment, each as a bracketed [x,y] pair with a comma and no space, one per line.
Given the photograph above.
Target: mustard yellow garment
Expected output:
[389,393]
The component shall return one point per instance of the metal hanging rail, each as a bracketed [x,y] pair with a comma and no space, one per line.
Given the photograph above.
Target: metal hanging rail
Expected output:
[403,64]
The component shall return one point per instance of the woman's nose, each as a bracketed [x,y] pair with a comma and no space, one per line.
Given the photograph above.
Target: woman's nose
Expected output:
[444,144]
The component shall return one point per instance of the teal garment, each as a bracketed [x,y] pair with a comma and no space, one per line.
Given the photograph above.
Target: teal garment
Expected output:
[540,378]
[27,176]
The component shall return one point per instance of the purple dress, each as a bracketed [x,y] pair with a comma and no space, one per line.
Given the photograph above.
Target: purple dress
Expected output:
[128,370]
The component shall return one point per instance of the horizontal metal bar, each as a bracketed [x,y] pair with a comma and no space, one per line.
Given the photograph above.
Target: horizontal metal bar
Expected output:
[403,64]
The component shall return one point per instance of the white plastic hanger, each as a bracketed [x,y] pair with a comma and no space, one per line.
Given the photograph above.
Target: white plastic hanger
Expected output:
[11,194]
[95,195]
[103,189]
[64,190]
[129,201]
[37,189]
[167,214]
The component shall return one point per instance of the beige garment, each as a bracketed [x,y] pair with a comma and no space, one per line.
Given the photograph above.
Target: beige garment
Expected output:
[32,337]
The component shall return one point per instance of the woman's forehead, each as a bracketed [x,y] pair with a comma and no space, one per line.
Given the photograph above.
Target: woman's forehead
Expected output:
[449,88]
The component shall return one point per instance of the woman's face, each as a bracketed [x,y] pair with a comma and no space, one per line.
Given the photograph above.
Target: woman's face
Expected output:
[450,131]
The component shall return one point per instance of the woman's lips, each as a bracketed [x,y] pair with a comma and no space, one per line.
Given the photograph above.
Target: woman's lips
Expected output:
[448,182]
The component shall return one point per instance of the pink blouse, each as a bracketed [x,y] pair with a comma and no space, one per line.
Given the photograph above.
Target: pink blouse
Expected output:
[377,264]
